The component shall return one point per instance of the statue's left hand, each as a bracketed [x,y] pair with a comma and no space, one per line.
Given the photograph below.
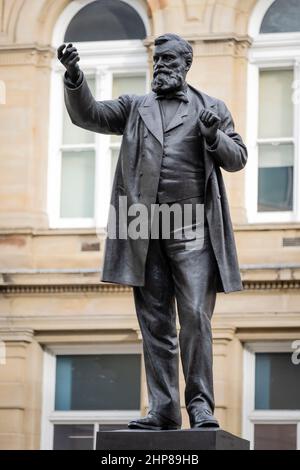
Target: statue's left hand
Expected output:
[209,124]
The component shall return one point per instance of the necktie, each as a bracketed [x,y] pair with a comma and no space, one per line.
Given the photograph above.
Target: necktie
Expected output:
[178,95]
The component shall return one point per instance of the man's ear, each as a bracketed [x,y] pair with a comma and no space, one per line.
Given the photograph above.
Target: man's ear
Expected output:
[188,64]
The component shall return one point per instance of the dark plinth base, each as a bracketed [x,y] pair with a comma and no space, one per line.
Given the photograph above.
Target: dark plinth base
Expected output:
[186,439]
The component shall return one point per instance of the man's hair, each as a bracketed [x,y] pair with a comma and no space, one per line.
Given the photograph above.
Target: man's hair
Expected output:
[185,48]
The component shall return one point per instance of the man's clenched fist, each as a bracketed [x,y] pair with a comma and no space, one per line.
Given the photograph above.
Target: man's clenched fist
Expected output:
[69,57]
[209,124]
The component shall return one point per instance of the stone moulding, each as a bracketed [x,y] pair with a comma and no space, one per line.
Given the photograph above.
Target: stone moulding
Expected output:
[105,288]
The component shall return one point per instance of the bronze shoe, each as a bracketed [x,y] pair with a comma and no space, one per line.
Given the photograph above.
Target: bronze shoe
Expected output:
[153,422]
[203,419]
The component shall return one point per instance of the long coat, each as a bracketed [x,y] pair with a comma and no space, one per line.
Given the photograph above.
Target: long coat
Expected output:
[138,119]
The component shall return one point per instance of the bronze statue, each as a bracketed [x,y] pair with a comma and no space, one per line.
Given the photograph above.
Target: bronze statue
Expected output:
[175,140]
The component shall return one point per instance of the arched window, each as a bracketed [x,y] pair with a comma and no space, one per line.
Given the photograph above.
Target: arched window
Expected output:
[105,20]
[274,112]
[109,37]
[283,16]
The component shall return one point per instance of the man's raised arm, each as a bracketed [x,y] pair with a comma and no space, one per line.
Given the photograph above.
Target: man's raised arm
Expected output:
[105,117]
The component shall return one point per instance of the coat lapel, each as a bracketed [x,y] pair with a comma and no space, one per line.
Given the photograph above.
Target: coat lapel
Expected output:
[208,165]
[150,113]
[206,102]
[208,161]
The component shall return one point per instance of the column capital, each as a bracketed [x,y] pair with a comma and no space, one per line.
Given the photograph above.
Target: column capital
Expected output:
[16,335]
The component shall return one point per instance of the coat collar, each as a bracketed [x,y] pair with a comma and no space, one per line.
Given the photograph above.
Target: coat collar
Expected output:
[150,113]
[211,103]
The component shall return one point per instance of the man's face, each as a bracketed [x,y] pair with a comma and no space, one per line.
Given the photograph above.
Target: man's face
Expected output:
[170,68]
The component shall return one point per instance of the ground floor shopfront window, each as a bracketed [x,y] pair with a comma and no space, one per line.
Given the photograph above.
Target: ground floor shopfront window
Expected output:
[272,396]
[86,389]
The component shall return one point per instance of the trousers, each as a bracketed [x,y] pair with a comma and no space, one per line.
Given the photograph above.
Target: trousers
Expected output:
[183,272]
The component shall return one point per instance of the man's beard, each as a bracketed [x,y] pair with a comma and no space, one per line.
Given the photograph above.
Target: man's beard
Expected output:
[167,81]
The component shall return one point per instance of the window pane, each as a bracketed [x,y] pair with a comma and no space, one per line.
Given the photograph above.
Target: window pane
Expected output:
[124,84]
[275,437]
[98,382]
[72,134]
[73,437]
[107,20]
[277,382]
[282,17]
[275,177]
[275,103]
[77,184]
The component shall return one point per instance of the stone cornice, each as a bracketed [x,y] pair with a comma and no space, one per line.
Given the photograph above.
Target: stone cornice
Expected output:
[28,54]
[30,289]
[228,37]
[53,232]
[47,232]
[271,285]
[263,227]
[106,288]
[16,334]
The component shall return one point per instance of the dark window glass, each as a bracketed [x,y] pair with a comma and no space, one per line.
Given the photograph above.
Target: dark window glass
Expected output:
[275,189]
[73,437]
[275,437]
[277,382]
[105,20]
[98,382]
[283,16]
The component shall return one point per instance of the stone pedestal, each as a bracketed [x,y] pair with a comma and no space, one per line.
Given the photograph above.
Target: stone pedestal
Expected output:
[186,439]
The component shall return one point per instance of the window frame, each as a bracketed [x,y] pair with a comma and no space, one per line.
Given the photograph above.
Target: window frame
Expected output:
[270,51]
[50,417]
[101,59]
[250,415]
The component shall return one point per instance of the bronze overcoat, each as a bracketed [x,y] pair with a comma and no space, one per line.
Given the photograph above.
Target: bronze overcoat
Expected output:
[138,119]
